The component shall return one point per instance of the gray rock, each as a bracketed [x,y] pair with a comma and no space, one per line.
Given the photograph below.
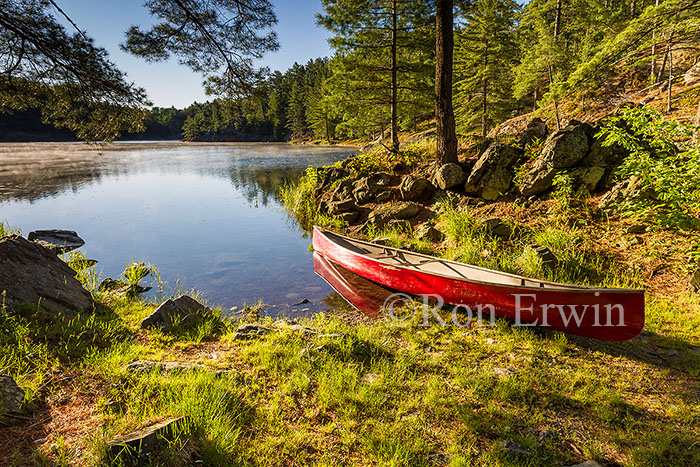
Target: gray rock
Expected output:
[364,190]
[624,194]
[401,224]
[343,190]
[515,448]
[399,210]
[535,129]
[546,255]
[145,366]
[429,233]
[60,241]
[138,446]
[11,395]
[636,229]
[330,175]
[250,330]
[587,177]
[448,176]
[492,174]
[184,310]
[413,188]
[350,216]
[694,283]
[563,149]
[384,179]
[31,274]
[604,156]
[497,227]
[337,207]
[589,463]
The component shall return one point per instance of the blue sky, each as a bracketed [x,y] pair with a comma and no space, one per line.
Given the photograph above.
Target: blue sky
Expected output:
[171,84]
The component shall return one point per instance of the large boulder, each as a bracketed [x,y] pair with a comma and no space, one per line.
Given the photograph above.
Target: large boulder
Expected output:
[448,176]
[60,241]
[563,149]
[413,188]
[184,310]
[400,210]
[11,395]
[536,129]
[364,190]
[587,177]
[343,190]
[338,207]
[624,194]
[31,275]
[492,174]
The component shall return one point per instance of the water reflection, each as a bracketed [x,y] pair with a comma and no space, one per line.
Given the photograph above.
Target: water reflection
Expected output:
[208,216]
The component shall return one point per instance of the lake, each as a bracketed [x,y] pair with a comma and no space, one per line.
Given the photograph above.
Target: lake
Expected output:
[208,216]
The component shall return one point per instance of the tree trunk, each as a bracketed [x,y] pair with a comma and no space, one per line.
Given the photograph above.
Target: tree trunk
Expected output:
[697,116]
[670,78]
[653,51]
[394,81]
[536,96]
[444,113]
[557,21]
[556,105]
[484,88]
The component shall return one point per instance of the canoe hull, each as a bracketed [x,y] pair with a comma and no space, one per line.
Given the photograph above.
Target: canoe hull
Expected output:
[604,314]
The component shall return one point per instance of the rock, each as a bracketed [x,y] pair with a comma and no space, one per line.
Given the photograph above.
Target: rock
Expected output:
[57,240]
[350,216]
[11,395]
[145,366]
[413,188]
[535,129]
[399,210]
[636,229]
[515,448]
[563,149]
[503,372]
[692,75]
[121,288]
[384,179]
[385,196]
[31,274]
[497,227]
[381,240]
[184,310]
[492,174]
[604,156]
[429,233]
[364,190]
[589,463]
[337,207]
[587,177]
[330,175]
[400,224]
[343,191]
[546,255]
[146,442]
[624,194]
[250,330]
[694,283]
[448,176]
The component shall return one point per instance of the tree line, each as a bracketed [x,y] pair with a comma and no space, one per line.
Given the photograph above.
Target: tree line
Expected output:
[396,63]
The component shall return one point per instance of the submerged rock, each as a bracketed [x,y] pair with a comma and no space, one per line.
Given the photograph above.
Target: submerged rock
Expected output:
[11,395]
[183,310]
[31,275]
[60,241]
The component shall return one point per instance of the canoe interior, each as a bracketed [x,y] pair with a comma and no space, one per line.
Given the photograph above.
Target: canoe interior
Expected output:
[445,268]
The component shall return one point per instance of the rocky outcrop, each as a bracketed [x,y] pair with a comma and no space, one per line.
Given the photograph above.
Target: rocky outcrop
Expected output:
[448,176]
[492,175]
[32,275]
[536,129]
[364,190]
[414,188]
[563,149]
[59,241]
[184,310]
[399,210]
[11,395]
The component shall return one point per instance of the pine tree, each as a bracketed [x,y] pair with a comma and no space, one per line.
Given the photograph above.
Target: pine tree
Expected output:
[485,55]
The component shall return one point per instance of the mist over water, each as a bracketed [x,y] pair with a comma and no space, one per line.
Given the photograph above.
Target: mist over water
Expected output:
[207,216]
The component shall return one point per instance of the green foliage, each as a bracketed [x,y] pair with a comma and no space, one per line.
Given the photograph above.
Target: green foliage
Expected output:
[6,229]
[665,158]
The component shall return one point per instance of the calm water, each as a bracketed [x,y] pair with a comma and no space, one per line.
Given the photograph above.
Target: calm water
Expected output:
[207,216]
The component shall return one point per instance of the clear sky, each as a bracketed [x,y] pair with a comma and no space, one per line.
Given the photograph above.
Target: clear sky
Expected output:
[171,84]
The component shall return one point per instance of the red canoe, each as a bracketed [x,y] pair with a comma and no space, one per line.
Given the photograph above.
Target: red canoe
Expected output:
[599,313]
